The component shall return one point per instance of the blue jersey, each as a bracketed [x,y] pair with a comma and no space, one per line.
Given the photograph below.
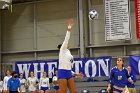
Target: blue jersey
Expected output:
[13,84]
[133,77]
[118,77]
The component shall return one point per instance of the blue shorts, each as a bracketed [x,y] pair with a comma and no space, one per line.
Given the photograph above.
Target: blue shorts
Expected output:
[64,74]
[44,88]
[114,89]
[56,87]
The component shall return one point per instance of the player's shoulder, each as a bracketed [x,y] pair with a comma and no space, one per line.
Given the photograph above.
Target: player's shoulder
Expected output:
[114,68]
[125,69]
[35,78]
[5,76]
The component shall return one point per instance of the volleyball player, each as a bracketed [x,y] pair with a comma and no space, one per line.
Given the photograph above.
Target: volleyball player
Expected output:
[23,83]
[5,81]
[32,82]
[44,84]
[65,77]
[55,82]
[132,80]
[1,84]
[118,77]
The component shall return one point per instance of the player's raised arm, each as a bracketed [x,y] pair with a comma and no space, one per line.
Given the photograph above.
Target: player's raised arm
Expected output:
[67,37]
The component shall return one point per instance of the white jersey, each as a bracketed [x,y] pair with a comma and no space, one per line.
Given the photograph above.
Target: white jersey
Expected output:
[5,81]
[44,82]
[65,57]
[32,82]
[55,78]
[23,82]
[1,85]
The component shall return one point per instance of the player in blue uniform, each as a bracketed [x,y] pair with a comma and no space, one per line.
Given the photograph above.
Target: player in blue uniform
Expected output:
[118,77]
[132,80]
[55,82]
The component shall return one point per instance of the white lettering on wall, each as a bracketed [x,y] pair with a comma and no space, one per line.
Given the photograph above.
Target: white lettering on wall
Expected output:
[24,68]
[87,68]
[36,69]
[77,65]
[103,66]
[50,69]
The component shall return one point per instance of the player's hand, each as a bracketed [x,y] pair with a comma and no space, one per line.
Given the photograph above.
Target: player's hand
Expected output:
[131,81]
[108,89]
[70,24]
[80,75]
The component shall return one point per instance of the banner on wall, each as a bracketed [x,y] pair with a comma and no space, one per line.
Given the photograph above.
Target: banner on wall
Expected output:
[90,67]
[117,23]
[135,64]
[137,11]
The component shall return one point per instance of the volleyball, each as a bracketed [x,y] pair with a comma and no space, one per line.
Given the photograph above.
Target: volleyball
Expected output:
[93,14]
[55,78]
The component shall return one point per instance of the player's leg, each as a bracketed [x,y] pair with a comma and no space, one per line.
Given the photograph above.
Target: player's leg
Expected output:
[71,85]
[62,85]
